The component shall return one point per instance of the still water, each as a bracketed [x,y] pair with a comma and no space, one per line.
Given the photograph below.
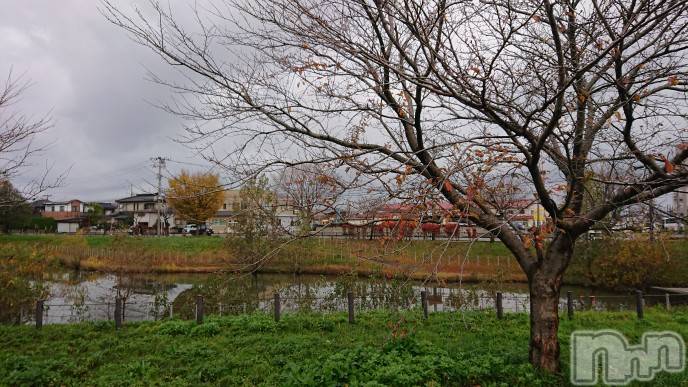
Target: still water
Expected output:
[90,296]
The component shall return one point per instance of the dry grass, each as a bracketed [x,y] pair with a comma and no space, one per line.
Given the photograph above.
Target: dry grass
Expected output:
[417,260]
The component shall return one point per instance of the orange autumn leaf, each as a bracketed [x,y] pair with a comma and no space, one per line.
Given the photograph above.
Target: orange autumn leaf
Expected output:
[668,166]
[447,186]
[527,242]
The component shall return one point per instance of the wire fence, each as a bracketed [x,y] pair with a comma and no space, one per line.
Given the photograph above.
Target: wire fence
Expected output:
[427,301]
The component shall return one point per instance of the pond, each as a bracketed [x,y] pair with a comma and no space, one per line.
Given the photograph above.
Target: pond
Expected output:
[76,296]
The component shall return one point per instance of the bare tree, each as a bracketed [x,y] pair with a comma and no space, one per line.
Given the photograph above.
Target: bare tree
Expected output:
[307,190]
[18,133]
[452,95]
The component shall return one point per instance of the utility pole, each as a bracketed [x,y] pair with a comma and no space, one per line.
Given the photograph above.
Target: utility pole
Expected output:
[652,220]
[159,162]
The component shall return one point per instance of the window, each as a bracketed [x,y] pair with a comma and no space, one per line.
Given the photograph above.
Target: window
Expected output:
[224,206]
[61,208]
[148,206]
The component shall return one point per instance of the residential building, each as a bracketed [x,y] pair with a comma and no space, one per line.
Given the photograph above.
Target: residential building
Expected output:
[38,206]
[680,202]
[64,210]
[70,215]
[223,221]
[287,216]
[146,211]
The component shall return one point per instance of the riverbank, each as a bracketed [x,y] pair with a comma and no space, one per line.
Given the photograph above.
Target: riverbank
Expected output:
[397,349]
[419,260]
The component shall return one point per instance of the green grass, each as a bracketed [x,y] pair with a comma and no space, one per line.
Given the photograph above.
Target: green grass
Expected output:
[188,245]
[382,348]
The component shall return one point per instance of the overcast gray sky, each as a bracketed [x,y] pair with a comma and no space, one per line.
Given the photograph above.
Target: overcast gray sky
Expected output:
[93,79]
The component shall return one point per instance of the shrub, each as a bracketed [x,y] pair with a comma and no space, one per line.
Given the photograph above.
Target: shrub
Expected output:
[407,362]
[634,263]
[174,328]
[256,323]
[205,330]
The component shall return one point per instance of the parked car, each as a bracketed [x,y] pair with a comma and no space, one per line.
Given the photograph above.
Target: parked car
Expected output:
[195,229]
[673,224]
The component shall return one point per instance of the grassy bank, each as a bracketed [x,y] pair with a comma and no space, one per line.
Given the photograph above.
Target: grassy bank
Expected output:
[382,348]
[446,261]
[415,259]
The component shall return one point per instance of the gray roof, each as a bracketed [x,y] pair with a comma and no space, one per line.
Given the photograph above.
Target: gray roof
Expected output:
[39,203]
[223,214]
[146,197]
[108,206]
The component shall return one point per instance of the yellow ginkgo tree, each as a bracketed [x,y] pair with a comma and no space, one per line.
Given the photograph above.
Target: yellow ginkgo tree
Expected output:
[195,197]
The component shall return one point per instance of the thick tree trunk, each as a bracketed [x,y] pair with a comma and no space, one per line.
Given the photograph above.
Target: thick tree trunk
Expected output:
[544,321]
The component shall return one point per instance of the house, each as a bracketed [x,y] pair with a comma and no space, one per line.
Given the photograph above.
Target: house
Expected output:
[288,216]
[70,215]
[146,210]
[223,221]
[109,209]
[38,206]
[64,210]
[680,202]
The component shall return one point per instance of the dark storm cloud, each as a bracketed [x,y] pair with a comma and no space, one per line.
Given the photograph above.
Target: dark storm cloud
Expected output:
[93,79]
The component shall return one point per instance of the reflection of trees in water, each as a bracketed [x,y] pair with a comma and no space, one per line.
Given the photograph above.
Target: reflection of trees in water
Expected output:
[18,296]
[223,294]
[91,296]
[21,285]
[128,286]
[247,293]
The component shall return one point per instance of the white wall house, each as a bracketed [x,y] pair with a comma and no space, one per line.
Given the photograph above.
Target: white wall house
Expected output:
[680,202]
[143,208]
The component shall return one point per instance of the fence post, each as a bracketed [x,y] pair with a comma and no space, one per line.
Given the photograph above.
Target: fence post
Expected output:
[569,304]
[350,301]
[424,303]
[277,307]
[639,303]
[500,309]
[39,314]
[118,313]
[199,309]
[667,301]
[171,310]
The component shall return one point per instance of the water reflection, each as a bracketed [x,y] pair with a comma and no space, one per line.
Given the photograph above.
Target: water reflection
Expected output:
[87,296]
